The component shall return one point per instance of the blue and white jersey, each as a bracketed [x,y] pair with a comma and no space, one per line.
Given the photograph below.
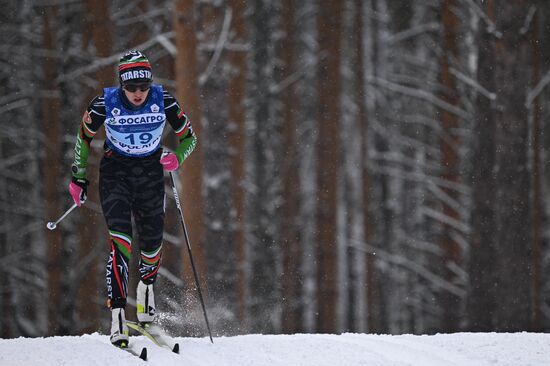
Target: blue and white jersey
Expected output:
[134,132]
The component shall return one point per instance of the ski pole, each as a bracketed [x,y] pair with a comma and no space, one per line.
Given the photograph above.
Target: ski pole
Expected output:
[176,197]
[52,225]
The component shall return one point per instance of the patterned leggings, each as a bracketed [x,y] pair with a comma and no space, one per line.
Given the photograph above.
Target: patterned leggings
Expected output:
[131,186]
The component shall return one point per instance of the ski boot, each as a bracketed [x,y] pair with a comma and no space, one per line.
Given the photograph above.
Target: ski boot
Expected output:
[145,303]
[119,329]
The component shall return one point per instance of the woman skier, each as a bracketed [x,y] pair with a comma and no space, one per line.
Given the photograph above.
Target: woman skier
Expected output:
[131,179]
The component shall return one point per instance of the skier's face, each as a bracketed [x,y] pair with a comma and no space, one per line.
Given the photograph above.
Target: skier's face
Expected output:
[137,93]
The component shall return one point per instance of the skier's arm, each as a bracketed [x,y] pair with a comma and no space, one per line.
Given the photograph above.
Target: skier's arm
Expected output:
[182,127]
[92,120]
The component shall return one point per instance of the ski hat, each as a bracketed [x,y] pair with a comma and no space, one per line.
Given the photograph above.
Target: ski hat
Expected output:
[134,67]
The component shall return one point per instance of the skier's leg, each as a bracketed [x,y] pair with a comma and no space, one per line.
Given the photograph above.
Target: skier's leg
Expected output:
[119,328]
[117,266]
[115,202]
[148,212]
[149,265]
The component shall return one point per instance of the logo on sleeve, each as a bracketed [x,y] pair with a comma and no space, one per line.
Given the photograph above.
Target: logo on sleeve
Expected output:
[86,118]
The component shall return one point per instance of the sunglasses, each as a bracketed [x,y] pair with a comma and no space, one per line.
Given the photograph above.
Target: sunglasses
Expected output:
[132,88]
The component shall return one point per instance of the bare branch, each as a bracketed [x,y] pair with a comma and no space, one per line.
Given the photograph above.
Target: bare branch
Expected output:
[171,277]
[219,46]
[447,220]
[419,94]
[471,82]
[14,105]
[413,266]
[112,60]
[419,177]
[447,199]
[491,27]
[528,19]
[291,79]
[410,33]
[533,94]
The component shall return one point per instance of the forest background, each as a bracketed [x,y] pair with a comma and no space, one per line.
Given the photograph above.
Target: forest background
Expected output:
[363,165]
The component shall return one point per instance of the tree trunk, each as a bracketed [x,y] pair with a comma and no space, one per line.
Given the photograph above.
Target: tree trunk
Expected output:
[374,296]
[291,278]
[513,230]
[481,302]
[51,108]
[364,271]
[450,160]
[329,28]
[222,271]
[187,93]
[265,149]
[99,30]
[537,197]
[306,88]
[237,137]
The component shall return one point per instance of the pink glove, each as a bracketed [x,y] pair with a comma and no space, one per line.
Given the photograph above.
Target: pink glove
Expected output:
[169,161]
[78,190]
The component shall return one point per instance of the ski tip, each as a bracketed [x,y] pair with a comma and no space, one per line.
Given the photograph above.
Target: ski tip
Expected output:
[143,354]
[176,348]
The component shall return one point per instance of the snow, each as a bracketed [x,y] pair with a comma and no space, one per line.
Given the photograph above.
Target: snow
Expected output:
[459,349]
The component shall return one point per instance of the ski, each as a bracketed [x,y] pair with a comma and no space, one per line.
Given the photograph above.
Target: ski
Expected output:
[134,350]
[156,335]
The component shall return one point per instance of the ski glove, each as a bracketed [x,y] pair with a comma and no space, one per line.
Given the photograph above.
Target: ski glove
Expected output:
[78,188]
[169,161]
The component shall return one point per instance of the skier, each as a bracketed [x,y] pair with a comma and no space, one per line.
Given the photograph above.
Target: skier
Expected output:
[131,178]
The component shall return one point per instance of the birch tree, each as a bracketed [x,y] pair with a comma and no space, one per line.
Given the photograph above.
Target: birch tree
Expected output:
[50,113]
[264,149]
[307,52]
[292,252]
[237,138]
[352,306]
[21,234]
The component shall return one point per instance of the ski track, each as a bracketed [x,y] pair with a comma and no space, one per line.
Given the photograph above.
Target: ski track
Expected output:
[502,349]
[459,349]
[413,352]
[409,354]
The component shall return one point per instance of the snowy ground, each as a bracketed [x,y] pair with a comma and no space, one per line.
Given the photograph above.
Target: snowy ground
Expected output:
[461,349]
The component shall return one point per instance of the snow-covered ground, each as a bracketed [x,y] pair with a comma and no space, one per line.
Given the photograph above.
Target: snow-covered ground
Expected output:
[460,349]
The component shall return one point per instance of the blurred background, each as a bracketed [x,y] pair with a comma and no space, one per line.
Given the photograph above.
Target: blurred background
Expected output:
[363,165]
